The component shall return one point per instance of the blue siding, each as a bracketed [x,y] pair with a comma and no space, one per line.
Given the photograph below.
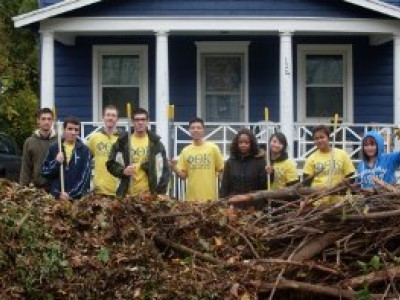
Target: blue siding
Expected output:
[372,77]
[299,8]
[372,67]
[73,74]
[43,3]
[263,75]
[393,2]
[373,83]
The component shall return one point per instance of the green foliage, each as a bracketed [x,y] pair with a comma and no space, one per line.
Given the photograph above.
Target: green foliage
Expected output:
[374,264]
[18,71]
[364,294]
[17,113]
[104,255]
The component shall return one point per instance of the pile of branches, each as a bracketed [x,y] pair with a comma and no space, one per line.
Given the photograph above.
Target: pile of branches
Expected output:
[155,248]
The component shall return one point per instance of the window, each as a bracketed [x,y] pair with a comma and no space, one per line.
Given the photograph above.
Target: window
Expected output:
[222,81]
[120,76]
[324,83]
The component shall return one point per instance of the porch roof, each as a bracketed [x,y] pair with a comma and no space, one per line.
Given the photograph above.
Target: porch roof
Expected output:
[71,5]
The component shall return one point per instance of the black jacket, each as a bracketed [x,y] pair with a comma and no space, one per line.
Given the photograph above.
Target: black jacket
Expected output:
[243,175]
[156,167]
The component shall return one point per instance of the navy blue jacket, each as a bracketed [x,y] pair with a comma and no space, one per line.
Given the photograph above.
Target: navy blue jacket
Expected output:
[76,173]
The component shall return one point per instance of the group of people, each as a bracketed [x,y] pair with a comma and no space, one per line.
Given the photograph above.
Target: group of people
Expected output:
[133,163]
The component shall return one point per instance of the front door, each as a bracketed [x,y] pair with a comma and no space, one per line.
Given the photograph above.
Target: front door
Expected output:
[222,87]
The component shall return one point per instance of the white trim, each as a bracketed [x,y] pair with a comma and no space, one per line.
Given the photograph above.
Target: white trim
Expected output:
[47,70]
[342,49]
[258,25]
[286,103]
[99,50]
[224,47]
[65,38]
[378,6]
[162,87]
[376,40]
[50,11]
[69,5]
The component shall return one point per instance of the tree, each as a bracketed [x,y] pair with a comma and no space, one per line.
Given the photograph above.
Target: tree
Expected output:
[18,71]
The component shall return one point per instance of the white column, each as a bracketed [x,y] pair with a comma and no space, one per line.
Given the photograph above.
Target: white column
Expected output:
[47,70]
[396,79]
[162,87]
[286,88]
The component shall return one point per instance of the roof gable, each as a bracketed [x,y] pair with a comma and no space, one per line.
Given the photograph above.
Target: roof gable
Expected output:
[67,6]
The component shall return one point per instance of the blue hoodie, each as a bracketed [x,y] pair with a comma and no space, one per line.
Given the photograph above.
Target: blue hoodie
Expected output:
[384,166]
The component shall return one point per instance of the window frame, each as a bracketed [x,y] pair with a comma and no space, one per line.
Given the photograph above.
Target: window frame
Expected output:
[98,52]
[346,51]
[222,48]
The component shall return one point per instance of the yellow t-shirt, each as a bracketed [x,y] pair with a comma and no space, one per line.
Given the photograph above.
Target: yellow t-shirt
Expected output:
[321,161]
[284,172]
[139,155]
[100,145]
[201,164]
[69,149]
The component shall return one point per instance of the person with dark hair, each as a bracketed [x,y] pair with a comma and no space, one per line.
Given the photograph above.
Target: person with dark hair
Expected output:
[199,163]
[140,163]
[244,171]
[282,169]
[328,166]
[75,158]
[375,164]
[100,144]
[35,149]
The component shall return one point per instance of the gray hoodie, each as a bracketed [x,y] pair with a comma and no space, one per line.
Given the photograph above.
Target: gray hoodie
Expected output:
[34,152]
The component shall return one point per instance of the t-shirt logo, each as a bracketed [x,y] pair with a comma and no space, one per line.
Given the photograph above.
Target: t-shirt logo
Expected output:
[103,149]
[324,167]
[199,161]
[138,153]
[378,172]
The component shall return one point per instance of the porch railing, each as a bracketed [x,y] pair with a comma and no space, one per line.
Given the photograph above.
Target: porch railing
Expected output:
[348,136]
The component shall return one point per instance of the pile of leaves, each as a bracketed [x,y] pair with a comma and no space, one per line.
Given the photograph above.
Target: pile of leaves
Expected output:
[153,248]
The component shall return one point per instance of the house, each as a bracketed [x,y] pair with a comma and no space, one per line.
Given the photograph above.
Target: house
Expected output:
[223,60]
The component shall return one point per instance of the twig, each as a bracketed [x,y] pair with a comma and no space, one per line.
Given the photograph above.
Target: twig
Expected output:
[372,278]
[316,246]
[388,187]
[187,250]
[309,265]
[309,288]
[278,279]
[174,215]
[246,240]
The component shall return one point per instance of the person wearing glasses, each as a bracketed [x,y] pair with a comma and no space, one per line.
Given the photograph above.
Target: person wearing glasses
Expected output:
[141,163]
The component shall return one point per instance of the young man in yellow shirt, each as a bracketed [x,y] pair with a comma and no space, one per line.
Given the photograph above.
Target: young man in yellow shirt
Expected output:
[100,144]
[140,163]
[199,163]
